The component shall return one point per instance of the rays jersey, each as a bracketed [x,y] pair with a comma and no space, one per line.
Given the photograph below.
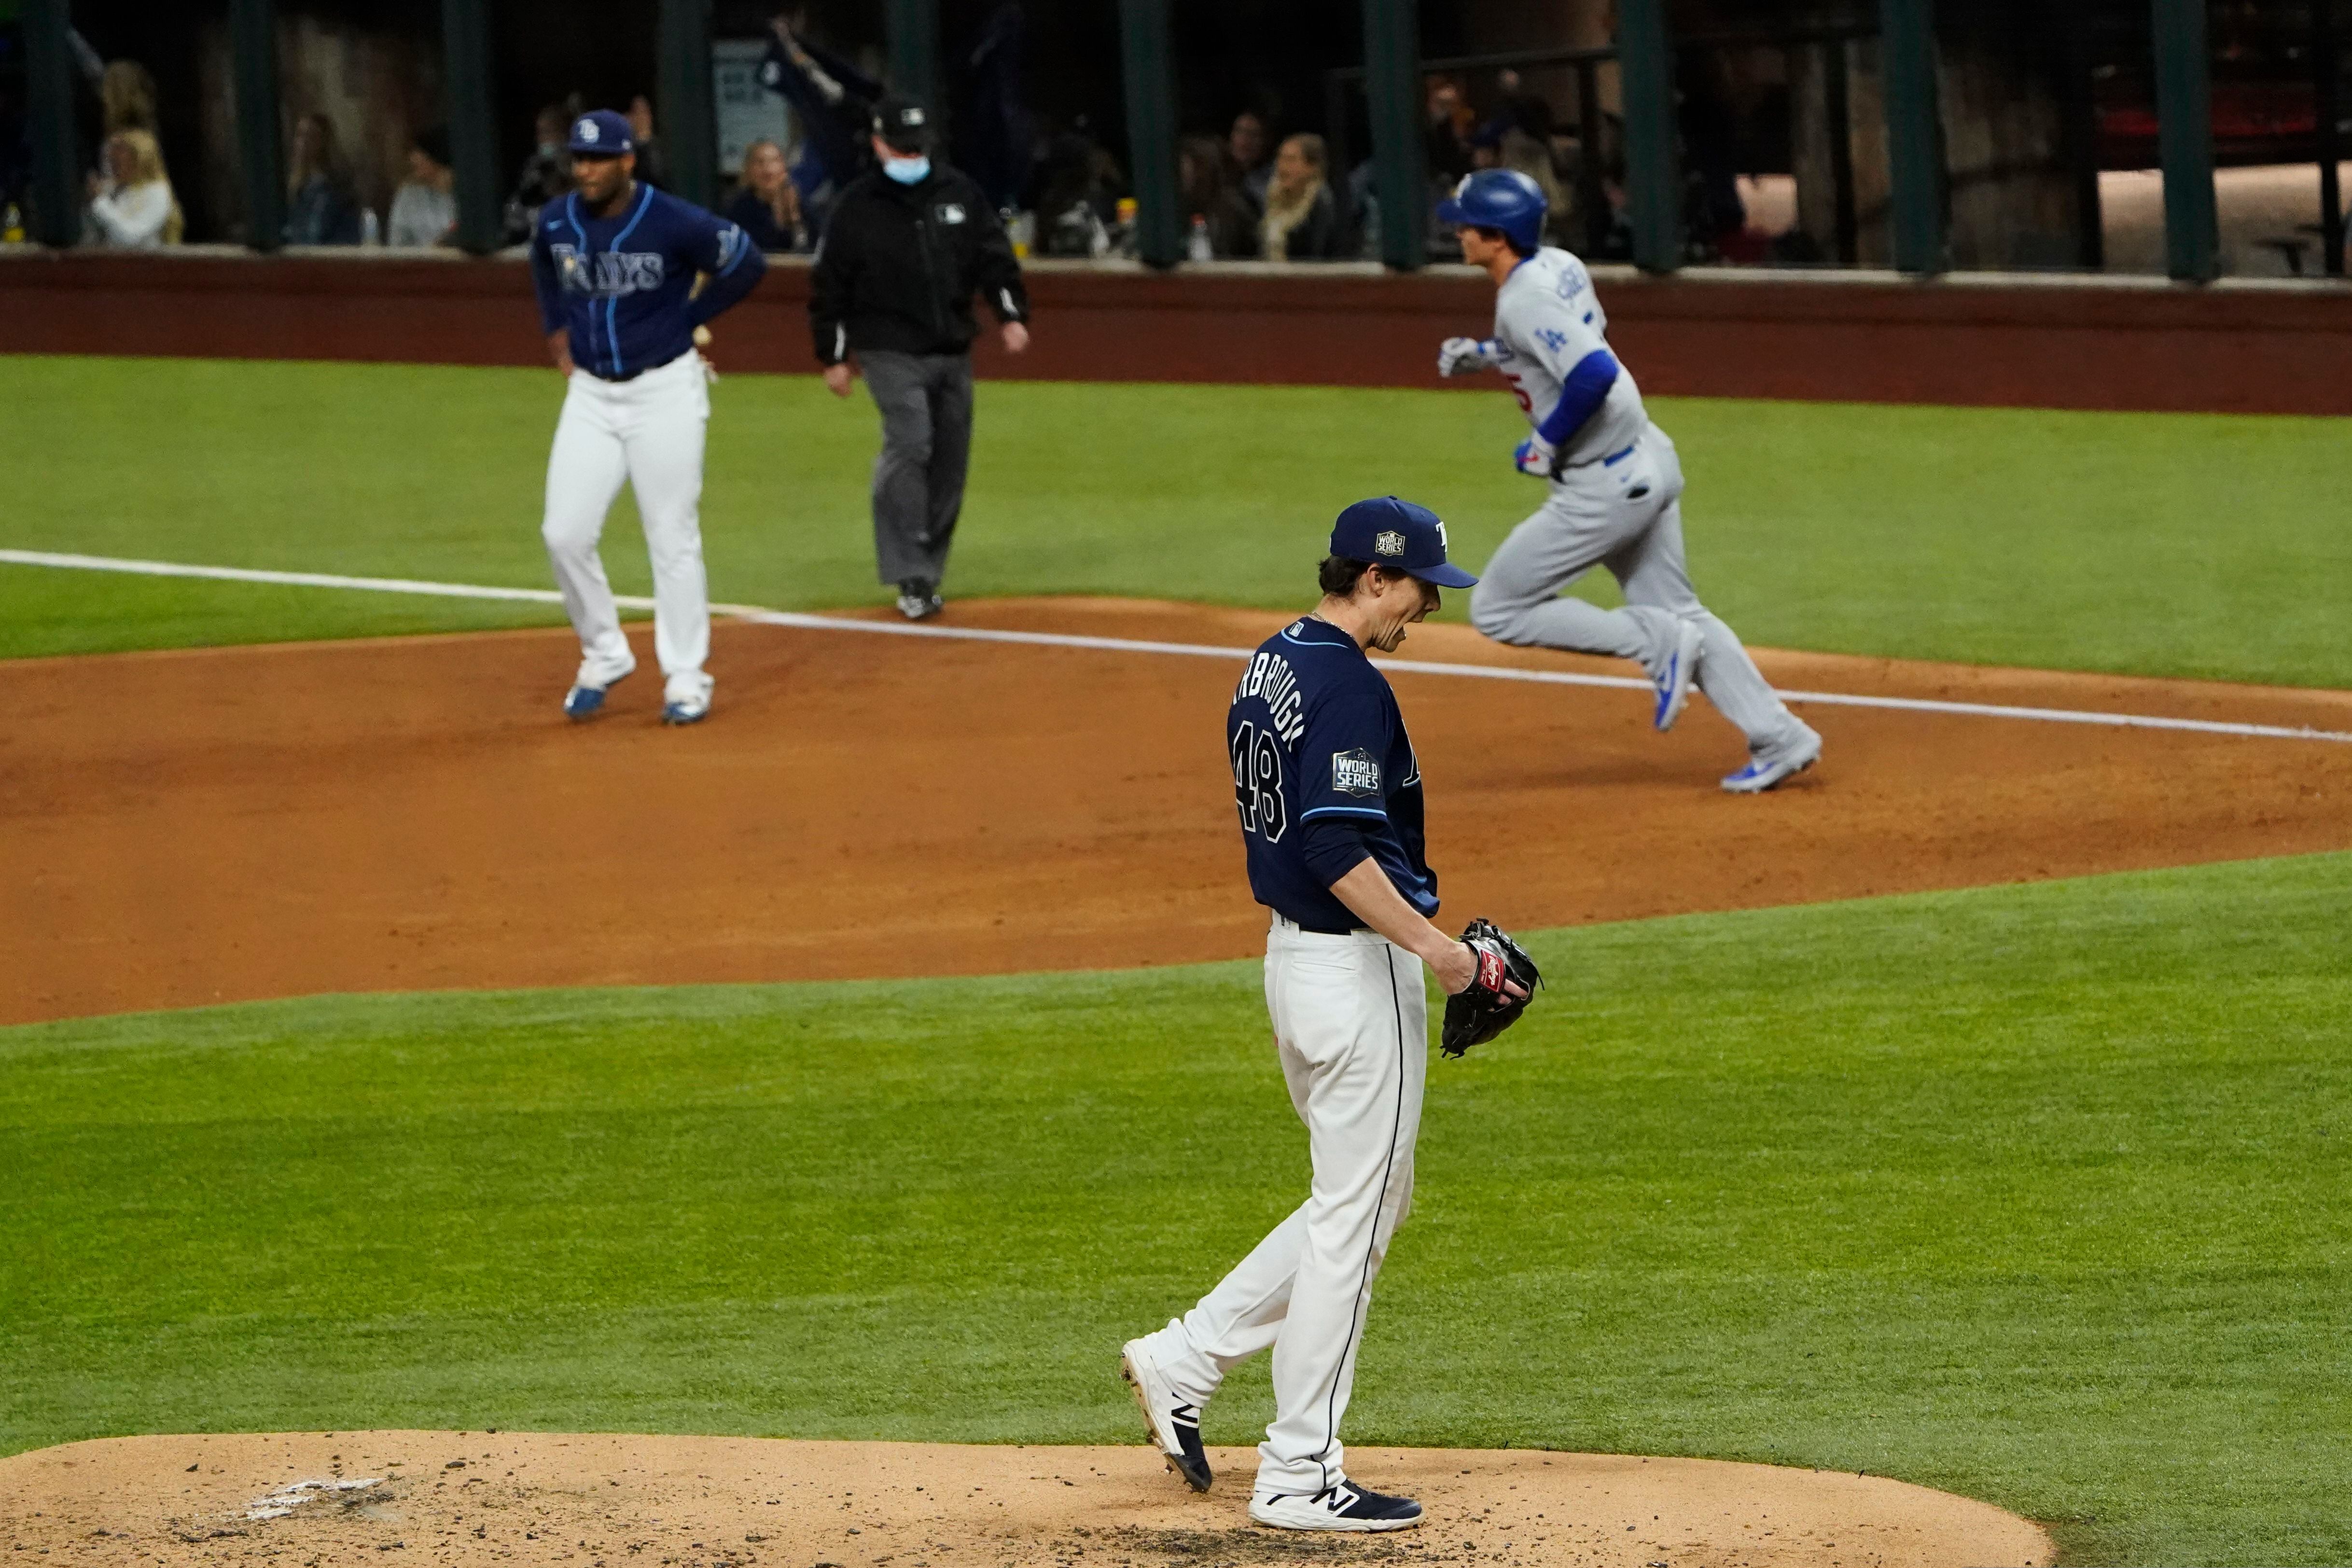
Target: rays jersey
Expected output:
[1547,321]
[1323,776]
[624,285]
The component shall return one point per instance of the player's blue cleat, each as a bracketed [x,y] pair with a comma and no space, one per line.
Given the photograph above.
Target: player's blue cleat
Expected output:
[585,700]
[1674,682]
[1775,765]
[583,703]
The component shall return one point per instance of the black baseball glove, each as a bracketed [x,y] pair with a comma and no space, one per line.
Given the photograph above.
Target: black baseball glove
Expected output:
[1486,1007]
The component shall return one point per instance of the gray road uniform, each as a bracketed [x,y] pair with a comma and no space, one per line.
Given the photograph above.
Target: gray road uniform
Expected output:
[1613,500]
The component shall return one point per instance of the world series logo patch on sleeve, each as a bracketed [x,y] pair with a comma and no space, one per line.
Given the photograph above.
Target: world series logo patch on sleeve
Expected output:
[1355,772]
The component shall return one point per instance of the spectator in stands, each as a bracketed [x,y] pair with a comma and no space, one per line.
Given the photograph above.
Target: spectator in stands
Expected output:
[320,206]
[1450,125]
[767,207]
[833,102]
[126,96]
[1079,189]
[546,173]
[133,204]
[652,164]
[1303,221]
[425,208]
[1208,198]
[1245,146]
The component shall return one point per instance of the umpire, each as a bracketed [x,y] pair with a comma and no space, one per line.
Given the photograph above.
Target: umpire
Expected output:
[907,245]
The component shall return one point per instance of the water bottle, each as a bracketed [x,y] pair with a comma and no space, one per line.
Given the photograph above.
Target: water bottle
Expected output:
[1199,249]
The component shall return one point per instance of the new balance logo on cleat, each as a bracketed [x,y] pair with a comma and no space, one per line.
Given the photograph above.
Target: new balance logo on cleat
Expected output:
[1171,1425]
[1338,1508]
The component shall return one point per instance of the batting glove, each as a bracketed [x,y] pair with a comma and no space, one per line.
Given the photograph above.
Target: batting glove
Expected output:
[1537,456]
[1464,356]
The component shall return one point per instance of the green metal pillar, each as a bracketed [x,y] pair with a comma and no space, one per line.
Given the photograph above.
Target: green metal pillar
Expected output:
[1150,89]
[1645,64]
[1915,142]
[473,129]
[2184,112]
[49,113]
[1392,98]
[260,136]
[689,118]
[913,26]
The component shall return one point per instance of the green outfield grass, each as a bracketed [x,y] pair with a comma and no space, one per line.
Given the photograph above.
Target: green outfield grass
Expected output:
[2187,545]
[2035,1194]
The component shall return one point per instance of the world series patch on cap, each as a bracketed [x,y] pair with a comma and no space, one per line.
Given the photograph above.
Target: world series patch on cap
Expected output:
[1399,536]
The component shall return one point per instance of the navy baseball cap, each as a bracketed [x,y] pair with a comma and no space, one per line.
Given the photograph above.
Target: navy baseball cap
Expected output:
[601,133]
[1398,537]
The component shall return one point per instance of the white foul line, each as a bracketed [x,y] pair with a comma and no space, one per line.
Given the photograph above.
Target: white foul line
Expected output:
[753,612]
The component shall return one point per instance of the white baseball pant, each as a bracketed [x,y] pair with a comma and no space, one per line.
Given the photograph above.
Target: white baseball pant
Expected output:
[1626,516]
[649,432]
[1351,1027]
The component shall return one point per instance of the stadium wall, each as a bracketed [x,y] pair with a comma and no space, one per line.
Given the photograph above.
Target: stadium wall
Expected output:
[2098,343]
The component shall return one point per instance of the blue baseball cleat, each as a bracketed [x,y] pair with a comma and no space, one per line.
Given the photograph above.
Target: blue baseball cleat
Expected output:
[583,703]
[1674,683]
[687,704]
[1767,768]
[585,700]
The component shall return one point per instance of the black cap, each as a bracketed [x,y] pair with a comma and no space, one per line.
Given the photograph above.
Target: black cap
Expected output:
[904,124]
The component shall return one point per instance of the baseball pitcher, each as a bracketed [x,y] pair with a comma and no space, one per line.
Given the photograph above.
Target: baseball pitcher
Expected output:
[1614,485]
[1329,794]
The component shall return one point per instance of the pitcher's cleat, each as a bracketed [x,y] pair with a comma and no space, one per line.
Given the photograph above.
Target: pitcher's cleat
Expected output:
[1344,1506]
[1171,1425]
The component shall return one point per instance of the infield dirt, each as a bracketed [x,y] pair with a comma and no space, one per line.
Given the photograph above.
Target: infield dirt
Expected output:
[231,824]
[477,1498]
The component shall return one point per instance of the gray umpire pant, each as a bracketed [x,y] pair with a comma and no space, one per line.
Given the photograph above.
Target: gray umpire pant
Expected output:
[926,403]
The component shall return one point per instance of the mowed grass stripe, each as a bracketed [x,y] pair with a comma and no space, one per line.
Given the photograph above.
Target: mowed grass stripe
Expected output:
[2032,1193]
[2149,544]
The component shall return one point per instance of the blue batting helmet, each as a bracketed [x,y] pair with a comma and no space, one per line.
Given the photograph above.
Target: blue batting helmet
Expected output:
[1501,199]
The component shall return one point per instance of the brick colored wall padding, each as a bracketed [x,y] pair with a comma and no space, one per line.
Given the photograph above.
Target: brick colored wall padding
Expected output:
[2096,344]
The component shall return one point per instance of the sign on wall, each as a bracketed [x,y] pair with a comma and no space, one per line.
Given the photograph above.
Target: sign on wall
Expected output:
[748,112]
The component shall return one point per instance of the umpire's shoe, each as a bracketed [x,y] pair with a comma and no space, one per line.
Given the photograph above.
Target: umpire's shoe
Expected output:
[585,700]
[919,599]
[1342,1507]
[1170,1424]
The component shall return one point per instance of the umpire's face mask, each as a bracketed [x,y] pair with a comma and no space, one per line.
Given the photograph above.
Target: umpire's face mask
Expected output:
[907,171]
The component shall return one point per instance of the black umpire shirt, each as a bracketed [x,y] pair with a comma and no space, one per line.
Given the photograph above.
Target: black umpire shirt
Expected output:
[899,265]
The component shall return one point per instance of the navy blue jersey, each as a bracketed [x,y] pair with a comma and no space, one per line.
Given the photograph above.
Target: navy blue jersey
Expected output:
[1323,775]
[619,285]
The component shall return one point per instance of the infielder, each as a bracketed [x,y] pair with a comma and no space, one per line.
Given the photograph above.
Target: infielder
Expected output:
[1330,800]
[615,263]
[1616,488]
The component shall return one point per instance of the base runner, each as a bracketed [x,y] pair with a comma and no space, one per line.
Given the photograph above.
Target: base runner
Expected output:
[1616,488]
[615,263]
[1330,800]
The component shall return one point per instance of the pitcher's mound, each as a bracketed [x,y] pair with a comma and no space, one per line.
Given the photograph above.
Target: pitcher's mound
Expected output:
[603,1501]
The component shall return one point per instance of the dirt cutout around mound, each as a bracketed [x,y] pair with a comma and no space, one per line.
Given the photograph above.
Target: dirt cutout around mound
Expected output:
[600,1502]
[231,824]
